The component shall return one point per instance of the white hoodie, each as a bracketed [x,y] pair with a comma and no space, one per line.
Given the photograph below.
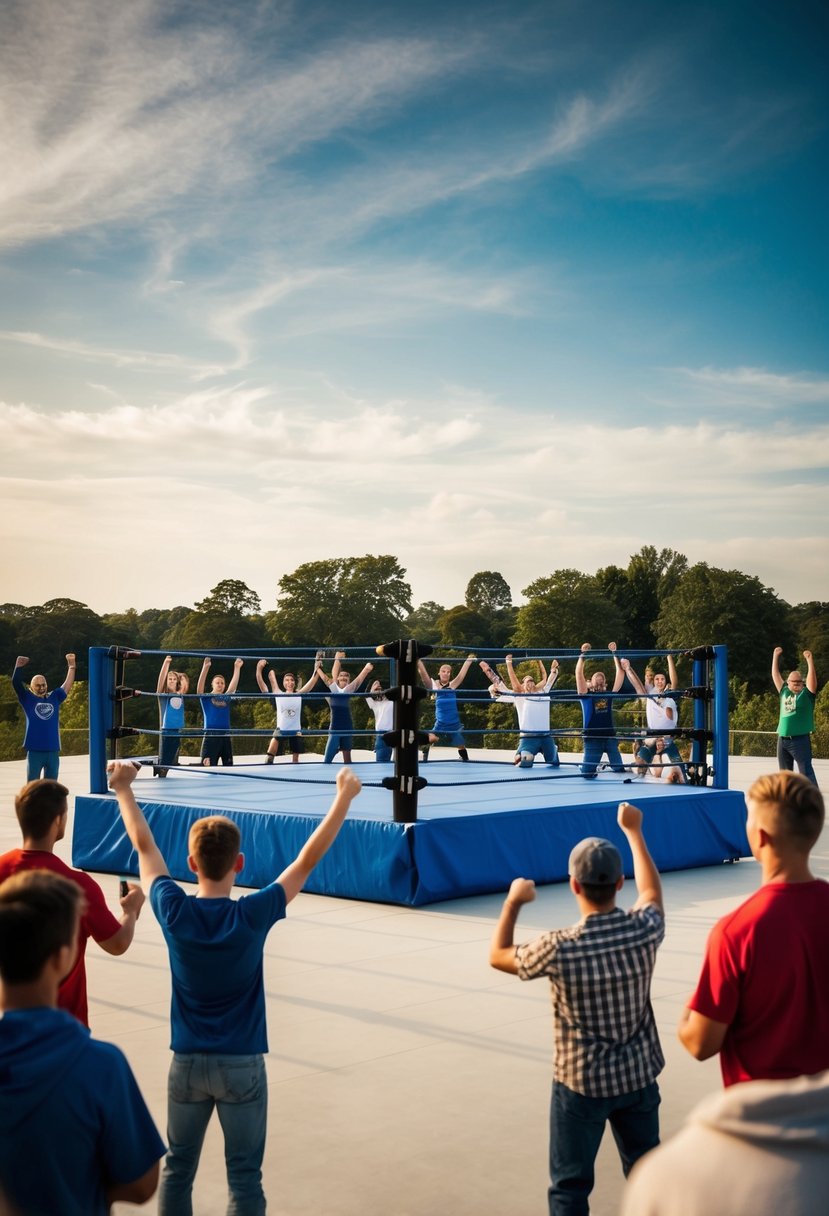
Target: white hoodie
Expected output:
[756,1149]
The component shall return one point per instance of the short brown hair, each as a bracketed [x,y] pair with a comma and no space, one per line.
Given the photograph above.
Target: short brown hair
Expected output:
[797,803]
[214,844]
[39,914]
[38,805]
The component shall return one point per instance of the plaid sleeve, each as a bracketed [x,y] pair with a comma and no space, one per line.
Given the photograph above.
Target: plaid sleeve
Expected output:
[536,958]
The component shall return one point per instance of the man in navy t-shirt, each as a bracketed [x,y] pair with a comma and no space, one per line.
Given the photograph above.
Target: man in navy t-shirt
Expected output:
[597,713]
[215,709]
[218,1004]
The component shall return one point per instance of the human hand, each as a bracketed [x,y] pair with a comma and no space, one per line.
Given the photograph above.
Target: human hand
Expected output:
[629,817]
[585,646]
[807,654]
[521,891]
[133,901]
[262,663]
[237,663]
[339,654]
[70,660]
[611,647]
[348,783]
[206,663]
[121,774]
[625,664]
[778,650]
[21,660]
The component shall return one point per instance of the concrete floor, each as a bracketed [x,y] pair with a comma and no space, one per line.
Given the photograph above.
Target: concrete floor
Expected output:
[406,1077]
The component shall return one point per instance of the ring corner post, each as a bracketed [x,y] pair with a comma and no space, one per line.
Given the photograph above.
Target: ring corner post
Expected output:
[101,677]
[720,743]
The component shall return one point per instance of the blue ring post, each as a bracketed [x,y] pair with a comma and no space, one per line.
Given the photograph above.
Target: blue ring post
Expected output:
[101,685]
[720,745]
[699,755]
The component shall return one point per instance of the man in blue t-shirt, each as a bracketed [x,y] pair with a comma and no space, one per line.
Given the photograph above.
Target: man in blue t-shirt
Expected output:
[77,1135]
[597,714]
[341,686]
[218,1004]
[215,710]
[42,710]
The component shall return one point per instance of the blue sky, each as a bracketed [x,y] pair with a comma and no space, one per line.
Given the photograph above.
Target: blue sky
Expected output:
[486,286]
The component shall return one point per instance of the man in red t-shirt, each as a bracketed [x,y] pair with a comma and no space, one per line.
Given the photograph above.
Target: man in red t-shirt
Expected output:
[41,809]
[762,1000]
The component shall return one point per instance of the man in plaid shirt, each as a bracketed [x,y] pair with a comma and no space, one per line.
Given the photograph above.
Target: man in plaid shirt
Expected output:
[607,1052]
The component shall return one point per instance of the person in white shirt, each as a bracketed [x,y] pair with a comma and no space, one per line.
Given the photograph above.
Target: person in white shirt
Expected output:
[532,708]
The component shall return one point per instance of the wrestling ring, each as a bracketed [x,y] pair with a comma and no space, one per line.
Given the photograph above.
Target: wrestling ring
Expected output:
[420,832]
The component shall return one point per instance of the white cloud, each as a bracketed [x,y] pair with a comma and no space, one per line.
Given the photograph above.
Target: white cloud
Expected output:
[756,386]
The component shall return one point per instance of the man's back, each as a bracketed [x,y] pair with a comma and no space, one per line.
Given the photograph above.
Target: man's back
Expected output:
[215,950]
[73,1120]
[600,973]
[765,976]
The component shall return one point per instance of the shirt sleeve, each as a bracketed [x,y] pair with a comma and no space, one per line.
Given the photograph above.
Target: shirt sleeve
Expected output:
[717,993]
[130,1143]
[536,958]
[166,898]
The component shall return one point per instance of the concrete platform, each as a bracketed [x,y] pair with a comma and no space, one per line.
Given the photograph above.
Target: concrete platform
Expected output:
[406,1077]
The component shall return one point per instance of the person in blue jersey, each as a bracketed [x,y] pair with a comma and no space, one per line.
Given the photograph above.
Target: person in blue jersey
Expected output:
[42,709]
[597,713]
[76,1133]
[341,686]
[172,688]
[447,724]
[217,746]
[217,1013]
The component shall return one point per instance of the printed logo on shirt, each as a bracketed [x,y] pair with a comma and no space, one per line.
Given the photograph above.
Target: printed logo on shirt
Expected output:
[44,710]
[789,703]
[290,713]
[601,703]
[176,702]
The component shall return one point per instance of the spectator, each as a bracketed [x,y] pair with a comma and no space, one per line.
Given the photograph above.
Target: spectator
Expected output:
[42,710]
[607,1051]
[797,716]
[76,1133]
[761,1147]
[42,811]
[762,1001]
[218,1004]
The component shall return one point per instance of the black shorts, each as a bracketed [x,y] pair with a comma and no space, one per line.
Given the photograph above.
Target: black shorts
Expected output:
[216,748]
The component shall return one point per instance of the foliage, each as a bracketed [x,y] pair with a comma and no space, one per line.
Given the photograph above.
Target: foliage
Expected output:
[710,606]
[565,609]
[461,626]
[230,597]
[488,592]
[639,590]
[341,602]
[423,622]
[811,620]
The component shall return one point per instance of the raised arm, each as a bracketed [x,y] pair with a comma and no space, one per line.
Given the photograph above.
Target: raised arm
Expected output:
[202,680]
[234,679]
[358,679]
[645,873]
[151,864]
[502,943]
[581,682]
[163,673]
[776,677]
[633,677]
[549,680]
[335,670]
[515,683]
[309,684]
[620,674]
[70,673]
[425,678]
[811,674]
[673,678]
[260,676]
[293,878]
[461,676]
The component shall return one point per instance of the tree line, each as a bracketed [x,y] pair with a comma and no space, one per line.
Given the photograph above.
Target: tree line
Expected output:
[656,602]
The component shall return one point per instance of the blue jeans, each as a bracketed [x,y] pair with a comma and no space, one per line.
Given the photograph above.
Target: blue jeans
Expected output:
[796,750]
[577,1125]
[336,743]
[595,748]
[382,751]
[237,1087]
[530,745]
[42,764]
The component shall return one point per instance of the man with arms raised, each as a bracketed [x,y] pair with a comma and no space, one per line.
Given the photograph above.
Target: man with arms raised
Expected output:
[797,715]
[42,710]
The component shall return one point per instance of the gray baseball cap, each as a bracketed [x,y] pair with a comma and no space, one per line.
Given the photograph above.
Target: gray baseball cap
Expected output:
[595,861]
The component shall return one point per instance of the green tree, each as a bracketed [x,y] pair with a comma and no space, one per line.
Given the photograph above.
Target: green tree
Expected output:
[639,590]
[342,601]
[48,633]
[565,609]
[461,626]
[423,622]
[711,607]
[230,597]
[488,592]
[811,620]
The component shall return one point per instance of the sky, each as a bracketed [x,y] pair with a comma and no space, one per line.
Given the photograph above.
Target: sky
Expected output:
[485,286]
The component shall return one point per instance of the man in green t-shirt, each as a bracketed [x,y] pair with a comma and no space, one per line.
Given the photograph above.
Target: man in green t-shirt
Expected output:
[797,715]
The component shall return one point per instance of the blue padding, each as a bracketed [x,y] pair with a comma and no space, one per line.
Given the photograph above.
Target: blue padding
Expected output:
[469,839]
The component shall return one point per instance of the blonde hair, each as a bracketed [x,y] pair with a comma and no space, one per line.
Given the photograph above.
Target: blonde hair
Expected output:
[795,802]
